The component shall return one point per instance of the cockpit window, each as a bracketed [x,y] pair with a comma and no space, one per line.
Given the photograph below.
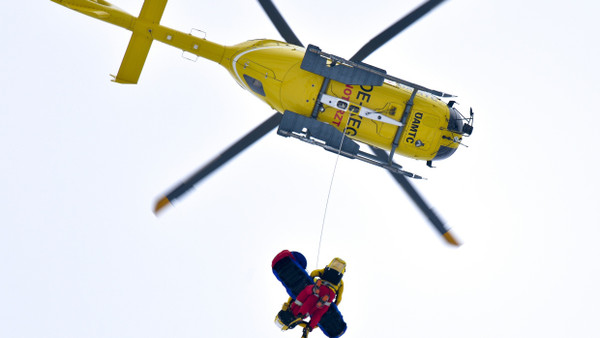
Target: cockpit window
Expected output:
[456,121]
[255,85]
[444,152]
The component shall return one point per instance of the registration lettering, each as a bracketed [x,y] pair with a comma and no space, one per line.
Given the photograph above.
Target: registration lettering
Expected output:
[414,127]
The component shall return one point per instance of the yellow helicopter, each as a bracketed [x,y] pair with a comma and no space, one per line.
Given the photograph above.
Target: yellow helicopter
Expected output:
[320,98]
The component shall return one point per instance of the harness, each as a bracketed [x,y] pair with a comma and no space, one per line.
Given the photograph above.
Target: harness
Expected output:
[323,301]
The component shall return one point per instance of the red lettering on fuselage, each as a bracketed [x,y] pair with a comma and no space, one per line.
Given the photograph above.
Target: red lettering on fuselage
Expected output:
[354,120]
[337,119]
[339,115]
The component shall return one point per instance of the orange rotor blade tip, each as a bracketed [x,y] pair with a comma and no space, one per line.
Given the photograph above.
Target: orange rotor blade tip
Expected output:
[163,202]
[450,239]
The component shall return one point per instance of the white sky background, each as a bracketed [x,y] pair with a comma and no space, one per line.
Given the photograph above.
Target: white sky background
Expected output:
[83,160]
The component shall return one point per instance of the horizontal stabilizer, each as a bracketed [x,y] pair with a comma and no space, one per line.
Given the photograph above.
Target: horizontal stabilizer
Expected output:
[152,11]
[134,59]
[140,43]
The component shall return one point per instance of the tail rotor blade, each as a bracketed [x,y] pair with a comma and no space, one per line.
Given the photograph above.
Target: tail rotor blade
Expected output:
[284,29]
[419,201]
[220,160]
[395,29]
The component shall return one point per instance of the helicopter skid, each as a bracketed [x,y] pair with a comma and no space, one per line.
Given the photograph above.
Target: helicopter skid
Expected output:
[326,136]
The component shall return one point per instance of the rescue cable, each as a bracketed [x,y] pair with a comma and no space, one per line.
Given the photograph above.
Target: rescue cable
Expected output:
[329,192]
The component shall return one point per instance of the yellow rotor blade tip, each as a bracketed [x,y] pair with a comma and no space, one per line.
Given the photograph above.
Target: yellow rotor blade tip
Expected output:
[450,239]
[163,202]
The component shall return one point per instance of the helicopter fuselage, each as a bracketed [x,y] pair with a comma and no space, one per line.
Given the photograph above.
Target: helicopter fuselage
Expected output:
[322,98]
[271,70]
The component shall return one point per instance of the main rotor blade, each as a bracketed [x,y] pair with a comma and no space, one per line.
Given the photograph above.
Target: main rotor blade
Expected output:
[419,201]
[395,29]
[284,29]
[217,162]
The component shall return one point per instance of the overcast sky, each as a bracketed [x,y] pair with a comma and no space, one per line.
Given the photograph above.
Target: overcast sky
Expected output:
[84,159]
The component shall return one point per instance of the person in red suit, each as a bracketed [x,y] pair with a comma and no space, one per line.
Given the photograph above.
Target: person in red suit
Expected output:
[314,300]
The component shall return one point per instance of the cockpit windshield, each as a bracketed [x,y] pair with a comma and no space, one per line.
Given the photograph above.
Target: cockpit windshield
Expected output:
[456,121]
[458,124]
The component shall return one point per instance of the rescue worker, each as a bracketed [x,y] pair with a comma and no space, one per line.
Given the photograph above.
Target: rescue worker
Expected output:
[314,300]
[332,276]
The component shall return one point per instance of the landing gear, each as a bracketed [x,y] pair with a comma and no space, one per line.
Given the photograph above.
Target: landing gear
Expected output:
[329,138]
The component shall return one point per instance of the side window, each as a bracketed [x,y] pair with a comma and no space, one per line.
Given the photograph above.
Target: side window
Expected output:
[255,85]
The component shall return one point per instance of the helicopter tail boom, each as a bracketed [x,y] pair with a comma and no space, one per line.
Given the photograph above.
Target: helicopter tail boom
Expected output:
[146,28]
[141,39]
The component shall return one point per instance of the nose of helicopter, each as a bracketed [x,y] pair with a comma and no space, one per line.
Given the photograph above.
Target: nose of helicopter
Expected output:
[444,152]
[458,127]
